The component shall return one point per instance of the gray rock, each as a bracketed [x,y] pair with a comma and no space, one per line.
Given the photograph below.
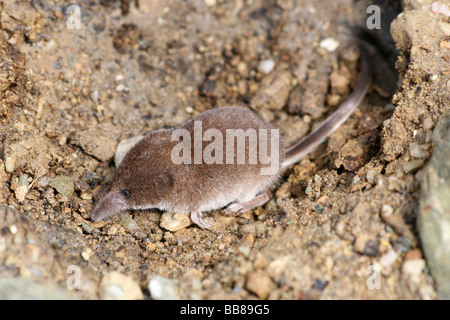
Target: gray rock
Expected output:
[434,215]
[64,185]
[129,224]
[99,142]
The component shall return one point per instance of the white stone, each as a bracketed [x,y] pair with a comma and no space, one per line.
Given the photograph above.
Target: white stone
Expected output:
[162,289]
[266,66]
[13,229]
[329,44]
[389,258]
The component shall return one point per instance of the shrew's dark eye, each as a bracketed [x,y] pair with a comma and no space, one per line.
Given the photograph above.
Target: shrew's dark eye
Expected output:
[126,193]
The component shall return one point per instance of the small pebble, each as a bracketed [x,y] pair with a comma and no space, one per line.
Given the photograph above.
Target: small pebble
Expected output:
[43,182]
[250,239]
[441,9]
[13,229]
[371,174]
[388,258]
[242,87]
[242,68]
[266,66]
[311,294]
[329,44]
[10,164]
[428,123]
[120,87]
[87,228]
[98,224]
[245,250]
[320,284]
[260,229]
[402,245]
[58,14]
[21,188]
[86,196]
[445,44]
[151,246]
[175,221]
[163,289]
[95,96]
[196,284]
[371,248]
[386,211]
[413,268]
[339,82]
[260,284]
[256,229]
[248,228]
[112,231]
[129,223]
[62,140]
[49,195]
[413,165]
[414,254]
[318,208]
[341,228]
[416,151]
[117,286]
[64,186]
[365,245]
[86,254]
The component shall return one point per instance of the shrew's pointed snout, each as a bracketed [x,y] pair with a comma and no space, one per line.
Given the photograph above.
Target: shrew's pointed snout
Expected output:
[109,205]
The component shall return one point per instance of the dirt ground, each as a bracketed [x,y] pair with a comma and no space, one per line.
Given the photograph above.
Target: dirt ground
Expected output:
[342,224]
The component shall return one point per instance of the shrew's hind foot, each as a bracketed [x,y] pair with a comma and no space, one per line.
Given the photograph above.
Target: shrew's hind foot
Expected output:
[197,218]
[242,207]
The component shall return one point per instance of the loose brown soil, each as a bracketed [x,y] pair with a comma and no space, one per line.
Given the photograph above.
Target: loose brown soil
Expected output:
[68,96]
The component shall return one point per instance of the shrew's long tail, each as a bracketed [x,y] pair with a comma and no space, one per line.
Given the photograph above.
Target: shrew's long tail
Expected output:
[296,152]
